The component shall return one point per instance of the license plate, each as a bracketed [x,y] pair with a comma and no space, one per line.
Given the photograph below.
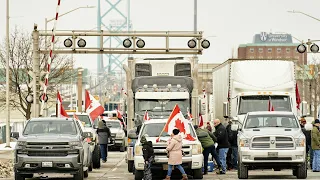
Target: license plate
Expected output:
[46,164]
[272,154]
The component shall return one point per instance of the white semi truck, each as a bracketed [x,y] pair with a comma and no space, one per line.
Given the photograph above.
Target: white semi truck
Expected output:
[242,86]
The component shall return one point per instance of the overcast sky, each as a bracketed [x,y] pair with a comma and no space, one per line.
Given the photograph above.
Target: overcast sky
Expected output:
[233,21]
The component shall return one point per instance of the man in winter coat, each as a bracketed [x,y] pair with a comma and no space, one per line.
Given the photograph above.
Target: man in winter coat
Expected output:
[232,156]
[174,149]
[103,136]
[223,143]
[315,144]
[148,156]
[207,143]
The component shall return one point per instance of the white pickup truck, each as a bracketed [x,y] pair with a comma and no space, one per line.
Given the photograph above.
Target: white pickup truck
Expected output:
[271,140]
[191,162]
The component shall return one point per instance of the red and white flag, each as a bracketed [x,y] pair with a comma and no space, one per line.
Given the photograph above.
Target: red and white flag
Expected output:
[204,93]
[92,106]
[298,99]
[146,116]
[200,120]
[177,121]
[75,116]
[119,114]
[61,111]
[189,114]
[270,106]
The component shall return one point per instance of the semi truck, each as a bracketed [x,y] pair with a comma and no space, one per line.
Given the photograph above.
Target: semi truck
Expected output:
[244,85]
[157,85]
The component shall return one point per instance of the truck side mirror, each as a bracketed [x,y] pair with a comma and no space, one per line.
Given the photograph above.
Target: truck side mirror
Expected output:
[234,127]
[225,109]
[304,108]
[14,135]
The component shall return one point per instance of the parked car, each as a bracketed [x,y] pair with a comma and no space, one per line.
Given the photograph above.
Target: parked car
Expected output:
[51,145]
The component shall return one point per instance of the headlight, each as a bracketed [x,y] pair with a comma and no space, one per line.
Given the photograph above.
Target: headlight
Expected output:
[300,142]
[22,151]
[244,143]
[119,135]
[75,143]
[21,143]
[138,150]
[196,149]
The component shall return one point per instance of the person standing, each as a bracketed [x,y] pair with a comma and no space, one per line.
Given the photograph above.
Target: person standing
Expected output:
[223,144]
[174,149]
[103,136]
[315,143]
[233,150]
[207,143]
[148,156]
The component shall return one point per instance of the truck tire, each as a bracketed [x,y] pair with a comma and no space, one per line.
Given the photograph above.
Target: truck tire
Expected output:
[90,166]
[294,171]
[138,175]
[96,157]
[122,148]
[130,166]
[242,171]
[197,174]
[17,176]
[86,173]
[79,175]
[302,171]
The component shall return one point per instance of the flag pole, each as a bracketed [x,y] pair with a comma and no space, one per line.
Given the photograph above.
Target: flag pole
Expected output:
[158,139]
[57,104]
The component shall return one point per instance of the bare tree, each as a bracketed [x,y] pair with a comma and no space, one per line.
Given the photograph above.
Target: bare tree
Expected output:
[21,63]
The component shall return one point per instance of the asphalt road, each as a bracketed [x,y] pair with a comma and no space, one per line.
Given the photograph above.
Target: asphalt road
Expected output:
[116,168]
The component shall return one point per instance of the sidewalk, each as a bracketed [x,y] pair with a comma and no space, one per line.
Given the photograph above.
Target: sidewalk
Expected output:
[3,146]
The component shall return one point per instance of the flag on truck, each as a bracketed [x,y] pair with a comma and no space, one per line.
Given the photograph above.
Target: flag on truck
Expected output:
[298,100]
[61,111]
[189,114]
[270,106]
[200,120]
[176,120]
[92,106]
[146,116]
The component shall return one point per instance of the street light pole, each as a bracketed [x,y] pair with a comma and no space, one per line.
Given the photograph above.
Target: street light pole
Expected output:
[299,12]
[7,81]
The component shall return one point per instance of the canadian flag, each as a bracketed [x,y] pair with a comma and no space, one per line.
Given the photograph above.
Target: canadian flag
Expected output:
[75,116]
[119,114]
[200,120]
[146,116]
[298,99]
[61,111]
[189,114]
[92,106]
[176,120]
[270,106]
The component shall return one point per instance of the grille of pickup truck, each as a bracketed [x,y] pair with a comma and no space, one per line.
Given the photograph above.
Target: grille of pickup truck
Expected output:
[272,142]
[161,150]
[47,148]
[47,153]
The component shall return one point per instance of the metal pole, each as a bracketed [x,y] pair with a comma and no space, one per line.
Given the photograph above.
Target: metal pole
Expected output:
[36,70]
[195,15]
[303,77]
[79,90]
[7,81]
[71,94]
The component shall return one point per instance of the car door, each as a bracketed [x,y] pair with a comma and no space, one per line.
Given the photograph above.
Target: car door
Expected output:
[85,144]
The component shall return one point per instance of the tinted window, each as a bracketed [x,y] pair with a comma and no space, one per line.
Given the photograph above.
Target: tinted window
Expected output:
[83,118]
[257,121]
[113,124]
[50,127]
[154,130]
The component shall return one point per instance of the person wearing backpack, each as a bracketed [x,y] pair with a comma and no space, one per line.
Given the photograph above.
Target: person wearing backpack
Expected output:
[223,144]
[148,156]
[233,150]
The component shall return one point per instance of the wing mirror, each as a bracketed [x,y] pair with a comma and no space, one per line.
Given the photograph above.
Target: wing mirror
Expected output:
[14,135]
[132,136]
[87,135]
[234,127]
[226,109]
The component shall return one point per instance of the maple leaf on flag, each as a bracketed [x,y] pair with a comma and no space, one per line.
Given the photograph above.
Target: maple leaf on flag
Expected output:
[180,125]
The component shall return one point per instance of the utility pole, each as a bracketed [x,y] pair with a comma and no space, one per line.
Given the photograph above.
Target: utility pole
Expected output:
[36,71]
[80,70]
[7,81]
[194,107]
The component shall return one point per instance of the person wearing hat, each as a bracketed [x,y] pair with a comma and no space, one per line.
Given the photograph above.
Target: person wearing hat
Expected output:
[315,144]
[148,156]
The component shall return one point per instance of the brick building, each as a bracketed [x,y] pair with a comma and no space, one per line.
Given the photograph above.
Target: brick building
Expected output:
[271,46]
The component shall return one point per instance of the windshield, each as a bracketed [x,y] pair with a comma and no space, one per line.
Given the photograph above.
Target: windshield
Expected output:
[50,127]
[261,103]
[155,105]
[154,130]
[83,118]
[113,124]
[258,121]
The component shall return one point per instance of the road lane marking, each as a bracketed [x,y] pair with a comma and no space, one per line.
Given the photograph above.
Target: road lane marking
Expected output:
[121,162]
[114,169]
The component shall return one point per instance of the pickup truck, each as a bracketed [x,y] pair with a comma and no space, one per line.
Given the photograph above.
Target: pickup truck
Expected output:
[192,160]
[51,145]
[271,140]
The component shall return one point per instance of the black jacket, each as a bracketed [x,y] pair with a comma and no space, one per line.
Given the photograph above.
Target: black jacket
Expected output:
[307,134]
[232,136]
[147,150]
[222,137]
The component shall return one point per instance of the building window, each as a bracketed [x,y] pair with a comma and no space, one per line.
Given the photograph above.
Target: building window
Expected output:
[278,50]
[260,50]
[288,50]
[251,50]
[269,50]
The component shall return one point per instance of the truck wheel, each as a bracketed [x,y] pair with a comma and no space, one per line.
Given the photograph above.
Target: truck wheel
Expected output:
[90,166]
[122,148]
[17,176]
[130,166]
[79,175]
[242,171]
[86,173]
[302,171]
[294,171]
[138,175]
[96,157]
[197,174]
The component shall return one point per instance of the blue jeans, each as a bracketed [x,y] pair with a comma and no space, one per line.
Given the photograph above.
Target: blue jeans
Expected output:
[235,157]
[104,151]
[223,158]
[316,160]
[206,152]
[311,154]
[178,166]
